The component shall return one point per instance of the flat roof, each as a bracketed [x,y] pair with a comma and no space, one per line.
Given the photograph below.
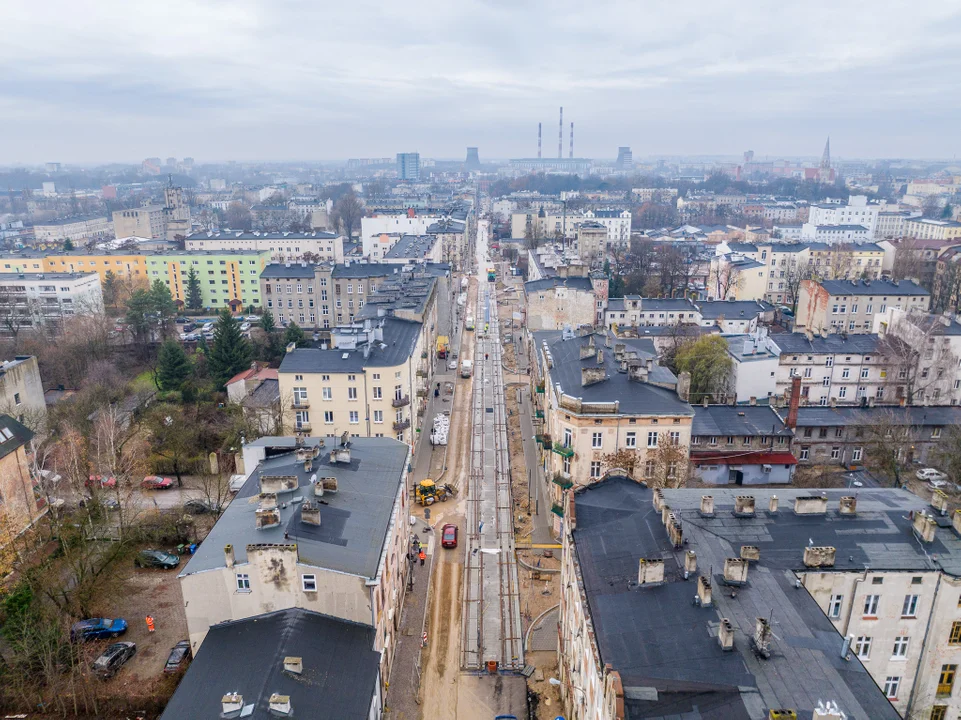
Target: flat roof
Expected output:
[922,416]
[873,287]
[412,247]
[340,668]
[354,519]
[237,235]
[833,343]
[740,420]
[732,309]
[293,270]
[47,276]
[400,339]
[666,649]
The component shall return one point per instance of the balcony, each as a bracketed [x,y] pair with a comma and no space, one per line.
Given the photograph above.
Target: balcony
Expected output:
[399,402]
[563,450]
[302,426]
[543,440]
[300,404]
[563,481]
[539,388]
[557,510]
[402,425]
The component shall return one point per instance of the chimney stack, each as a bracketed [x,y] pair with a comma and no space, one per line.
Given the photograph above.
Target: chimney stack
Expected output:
[707,506]
[650,571]
[572,145]
[819,556]
[795,402]
[229,556]
[538,141]
[725,635]
[294,665]
[744,506]
[280,705]
[772,505]
[704,591]
[560,135]
[690,562]
[735,571]
[310,513]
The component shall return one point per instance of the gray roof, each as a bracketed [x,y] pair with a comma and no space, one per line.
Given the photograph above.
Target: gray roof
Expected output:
[47,275]
[742,247]
[400,339]
[447,225]
[364,270]
[873,287]
[355,518]
[636,398]
[842,227]
[71,220]
[667,305]
[656,638]
[577,283]
[923,416]
[732,309]
[715,420]
[264,395]
[833,343]
[788,247]
[20,435]
[294,270]
[247,657]
[238,235]
[413,247]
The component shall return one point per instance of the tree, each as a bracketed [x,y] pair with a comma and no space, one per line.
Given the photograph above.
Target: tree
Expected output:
[231,351]
[68,245]
[238,217]
[348,210]
[195,300]
[295,334]
[138,318]
[172,436]
[173,366]
[624,459]
[709,364]
[163,307]
[795,273]
[668,465]
[267,323]
[889,446]
[908,260]
[111,289]
[920,362]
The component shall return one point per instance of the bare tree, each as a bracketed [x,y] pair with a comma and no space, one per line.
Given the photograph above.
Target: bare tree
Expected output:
[624,458]
[794,274]
[889,446]
[668,466]
[723,278]
[908,260]
[348,211]
[919,356]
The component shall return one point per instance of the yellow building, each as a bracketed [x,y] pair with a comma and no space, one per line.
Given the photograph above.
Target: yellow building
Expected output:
[925,229]
[124,265]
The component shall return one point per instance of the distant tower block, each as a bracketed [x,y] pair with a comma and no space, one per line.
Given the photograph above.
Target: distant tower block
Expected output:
[473,159]
[748,156]
[625,159]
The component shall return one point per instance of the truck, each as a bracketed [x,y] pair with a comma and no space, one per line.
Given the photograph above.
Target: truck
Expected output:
[443,346]
[466,368]
[491,274]
[469,323]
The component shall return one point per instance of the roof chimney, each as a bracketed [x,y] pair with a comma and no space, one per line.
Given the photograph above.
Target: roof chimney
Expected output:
[650,571]
[795,402]
[310,513]
[725,635]
[592,376]
[704,591]
[294,665]
[231,705]
[280,705]
[229,556]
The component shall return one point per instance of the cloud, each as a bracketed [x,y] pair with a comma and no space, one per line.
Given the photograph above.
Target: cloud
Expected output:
[272,79]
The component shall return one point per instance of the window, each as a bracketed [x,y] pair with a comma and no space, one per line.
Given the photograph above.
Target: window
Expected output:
[354,417]
[871,605]
[631,440]
[910,606]
[946,681]
[826,380]
[845,373]
[649,468]
[327,393]
[568,437]
[672,470]
[597,440]
[955,637]
[16,398]
[595,469]
[823,433]
[309,582]
[856,454]
[829,361]
[864,373]
[378,393]
[900,647]
[243,582]
[652,439]
[675,437]
[352,393]
[939,712]
[834,607]
[328,417]
[805,452]
[891,685]
[807,372]
[835,452]
[862,647]
[935,434]
[877,581]
[300,396]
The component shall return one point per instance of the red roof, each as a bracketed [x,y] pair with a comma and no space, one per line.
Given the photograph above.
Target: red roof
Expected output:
[251,374]
[743,458]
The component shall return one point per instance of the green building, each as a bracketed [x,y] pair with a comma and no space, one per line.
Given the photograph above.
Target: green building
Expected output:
[228,278]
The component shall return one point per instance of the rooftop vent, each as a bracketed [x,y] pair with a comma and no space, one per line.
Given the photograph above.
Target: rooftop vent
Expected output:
[231,705]
[725,635]
[294,665]
[310,513]
[280,706]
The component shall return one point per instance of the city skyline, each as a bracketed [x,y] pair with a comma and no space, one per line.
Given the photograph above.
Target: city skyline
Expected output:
[255,81]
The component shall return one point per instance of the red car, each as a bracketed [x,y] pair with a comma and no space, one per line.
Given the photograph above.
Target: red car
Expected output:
[448,537]
[154,482]
[102,481]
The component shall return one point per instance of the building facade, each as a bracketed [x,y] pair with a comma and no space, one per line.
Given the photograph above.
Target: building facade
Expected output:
[46,302]
[228,278]
[284,247]
[146,221]
[21,391]
[851,305]
[92,227]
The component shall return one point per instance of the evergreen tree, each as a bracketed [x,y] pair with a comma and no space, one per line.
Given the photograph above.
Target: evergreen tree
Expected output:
[267,323]
[231,352]
[173,366]
[195,300]
[68,244]
[295,334]
[138,317]
[111,287]
[162,306]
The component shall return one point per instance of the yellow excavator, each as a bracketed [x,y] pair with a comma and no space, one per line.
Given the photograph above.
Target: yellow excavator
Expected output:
[427,492]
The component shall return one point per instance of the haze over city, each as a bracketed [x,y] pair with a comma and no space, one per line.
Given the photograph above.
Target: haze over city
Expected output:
[258,80]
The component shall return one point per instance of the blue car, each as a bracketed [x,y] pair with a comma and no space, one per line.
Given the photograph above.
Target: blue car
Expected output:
[98,629]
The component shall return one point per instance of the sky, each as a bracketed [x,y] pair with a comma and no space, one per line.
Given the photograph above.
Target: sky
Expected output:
[316,80]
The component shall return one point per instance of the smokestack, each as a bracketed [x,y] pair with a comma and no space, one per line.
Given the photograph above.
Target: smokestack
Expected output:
[538,141]
[560,135]
[572,140]
[795,402]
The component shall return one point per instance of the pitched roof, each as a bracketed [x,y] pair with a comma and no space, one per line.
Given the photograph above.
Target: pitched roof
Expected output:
[924,416]
[13,435]
[340,668]
[873,287]
[577,283]
[739,421]
[400,339]
[833,343]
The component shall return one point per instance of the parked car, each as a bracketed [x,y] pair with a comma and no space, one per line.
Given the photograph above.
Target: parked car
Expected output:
[448,537]
[929,474]
[245,327]
[208,327]
[452,364]
[156,559]
[98,629]
[179,654]
[155,482]
[101,481]
[199,506]
[252,318]
[113,659]
[181,320]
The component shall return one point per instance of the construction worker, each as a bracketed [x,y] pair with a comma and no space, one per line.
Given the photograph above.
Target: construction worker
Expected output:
[422,556]
[150,625]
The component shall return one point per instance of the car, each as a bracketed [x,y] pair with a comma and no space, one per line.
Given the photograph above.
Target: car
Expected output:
[155,482]
[111,504]
[181,320]
[929,474]
[937,484]
[179,654]
[452,364]
[448,536]
[252,318]
[245,327]
[113,658]
[101,481]
[208,327]
[156,559]
[98,629]
[199,506]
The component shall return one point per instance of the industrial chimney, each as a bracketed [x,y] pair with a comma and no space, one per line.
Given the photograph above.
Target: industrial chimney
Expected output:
[538,141]
[572,141]
[560,135]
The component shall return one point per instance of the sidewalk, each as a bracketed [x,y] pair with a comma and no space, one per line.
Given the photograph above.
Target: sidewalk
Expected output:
[401,701]
[541,520]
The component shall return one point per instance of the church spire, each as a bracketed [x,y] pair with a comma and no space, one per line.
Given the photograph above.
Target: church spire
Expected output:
[826,155]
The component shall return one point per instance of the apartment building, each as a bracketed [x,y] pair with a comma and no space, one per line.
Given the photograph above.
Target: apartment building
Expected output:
[872,624]
[925,229]
[851,305]
[754,362]
[741,445]
[319,525]
[20,507]
[455,241]
[392,224]
[857,212]
[736,277]
[411,249]
[228,278]
[556,301]
[604,398]
[129,264]
[591,243]
[44,302]
[146,221]
[21,391]
[616,222]
[284,247]
[834,234]
[635,314]
[365,383]
[75,229]
[891,223]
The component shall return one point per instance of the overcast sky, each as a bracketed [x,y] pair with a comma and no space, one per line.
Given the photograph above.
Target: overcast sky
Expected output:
[106,80]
